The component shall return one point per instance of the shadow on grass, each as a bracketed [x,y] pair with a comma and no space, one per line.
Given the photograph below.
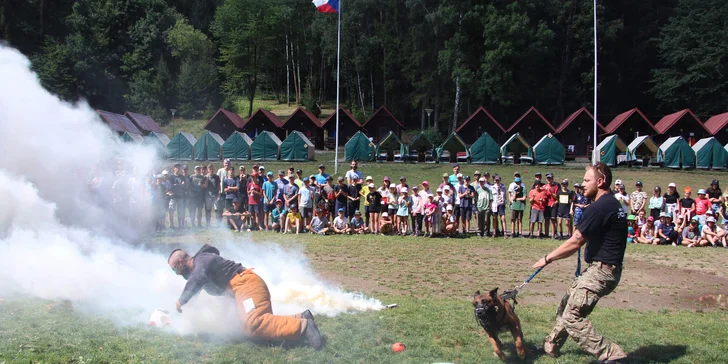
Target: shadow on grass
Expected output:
[656,353]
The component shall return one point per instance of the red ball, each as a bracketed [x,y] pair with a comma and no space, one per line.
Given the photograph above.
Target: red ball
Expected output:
[397,347]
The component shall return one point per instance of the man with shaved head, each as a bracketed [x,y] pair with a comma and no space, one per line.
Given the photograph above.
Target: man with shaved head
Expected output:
[219,276]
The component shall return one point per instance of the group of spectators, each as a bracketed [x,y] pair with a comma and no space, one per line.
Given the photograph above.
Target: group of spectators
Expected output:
[668,218]
[290,202]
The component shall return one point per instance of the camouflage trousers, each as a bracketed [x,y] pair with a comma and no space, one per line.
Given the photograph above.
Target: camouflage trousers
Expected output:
[596,281]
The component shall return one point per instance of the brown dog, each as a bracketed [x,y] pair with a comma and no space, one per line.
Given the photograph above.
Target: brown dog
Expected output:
[495,315]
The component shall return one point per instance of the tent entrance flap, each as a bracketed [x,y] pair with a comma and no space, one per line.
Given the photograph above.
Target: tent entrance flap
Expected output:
[485,150]
[359,148]
[390,148]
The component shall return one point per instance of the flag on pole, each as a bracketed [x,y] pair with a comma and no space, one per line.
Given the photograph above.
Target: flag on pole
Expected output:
[327,6]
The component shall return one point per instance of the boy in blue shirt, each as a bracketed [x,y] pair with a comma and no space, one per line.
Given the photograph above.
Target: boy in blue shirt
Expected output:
[278,216]
[270,189]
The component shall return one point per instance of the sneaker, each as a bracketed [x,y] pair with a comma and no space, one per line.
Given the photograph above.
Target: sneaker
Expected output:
[312,335]
[550,350]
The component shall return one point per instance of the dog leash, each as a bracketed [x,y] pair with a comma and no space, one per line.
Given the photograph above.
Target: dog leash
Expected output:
[514,292]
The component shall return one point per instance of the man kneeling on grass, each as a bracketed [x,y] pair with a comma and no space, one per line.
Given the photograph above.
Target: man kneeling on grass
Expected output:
[319,223]
[222,277]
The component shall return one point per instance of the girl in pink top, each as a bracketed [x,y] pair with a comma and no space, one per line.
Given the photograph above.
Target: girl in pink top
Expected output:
[430,208]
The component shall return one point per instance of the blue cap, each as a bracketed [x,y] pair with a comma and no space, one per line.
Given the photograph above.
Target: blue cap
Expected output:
[518,179]
[270,173]
[341,210]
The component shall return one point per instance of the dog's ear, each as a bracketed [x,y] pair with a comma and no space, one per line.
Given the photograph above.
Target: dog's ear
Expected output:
[494,293]
[477,293]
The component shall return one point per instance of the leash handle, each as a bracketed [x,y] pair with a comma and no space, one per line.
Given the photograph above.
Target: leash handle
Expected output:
[533,275]
[578,263]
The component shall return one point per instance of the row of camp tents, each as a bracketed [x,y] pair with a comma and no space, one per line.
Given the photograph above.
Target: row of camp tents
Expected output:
[675,152]
[239,146]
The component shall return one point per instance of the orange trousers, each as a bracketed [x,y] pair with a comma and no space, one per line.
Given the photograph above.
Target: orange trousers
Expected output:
[252,299]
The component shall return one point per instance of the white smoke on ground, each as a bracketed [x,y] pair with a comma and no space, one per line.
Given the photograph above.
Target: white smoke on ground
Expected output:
[60,241]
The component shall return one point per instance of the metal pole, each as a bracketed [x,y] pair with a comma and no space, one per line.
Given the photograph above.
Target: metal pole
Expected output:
[594,150]
[338,69]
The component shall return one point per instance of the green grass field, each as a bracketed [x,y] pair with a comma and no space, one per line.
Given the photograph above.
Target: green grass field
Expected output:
[655,314]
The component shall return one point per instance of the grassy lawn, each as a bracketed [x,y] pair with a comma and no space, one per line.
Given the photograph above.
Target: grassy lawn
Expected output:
[655,314]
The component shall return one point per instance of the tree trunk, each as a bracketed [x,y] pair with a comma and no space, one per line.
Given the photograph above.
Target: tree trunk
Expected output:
[358,86]
[371,87]
[298,69]
[423,115]
[288,76]
[436,117]
[457,105]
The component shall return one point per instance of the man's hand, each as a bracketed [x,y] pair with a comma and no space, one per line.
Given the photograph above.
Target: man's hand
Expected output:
[179,306]
[540,263]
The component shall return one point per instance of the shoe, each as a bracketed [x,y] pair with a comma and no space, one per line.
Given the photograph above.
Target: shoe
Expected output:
[549,350]
[609,362]
[307,315]
[312,335]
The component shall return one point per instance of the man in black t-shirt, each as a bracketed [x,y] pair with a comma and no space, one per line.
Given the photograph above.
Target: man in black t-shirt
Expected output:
[603,229]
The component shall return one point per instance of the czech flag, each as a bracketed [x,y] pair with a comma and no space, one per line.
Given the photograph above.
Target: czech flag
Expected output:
[327,6]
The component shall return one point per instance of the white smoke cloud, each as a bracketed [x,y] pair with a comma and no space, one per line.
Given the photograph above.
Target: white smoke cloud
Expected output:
[59,241]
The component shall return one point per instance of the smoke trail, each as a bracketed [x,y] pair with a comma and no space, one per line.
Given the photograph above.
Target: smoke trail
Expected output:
[59,240]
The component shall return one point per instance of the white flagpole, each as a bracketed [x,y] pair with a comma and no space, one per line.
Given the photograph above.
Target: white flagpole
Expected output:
[338,68]
[595,153]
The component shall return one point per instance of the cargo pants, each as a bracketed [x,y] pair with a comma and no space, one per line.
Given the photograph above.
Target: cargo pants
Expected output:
[596,281]
[252,299]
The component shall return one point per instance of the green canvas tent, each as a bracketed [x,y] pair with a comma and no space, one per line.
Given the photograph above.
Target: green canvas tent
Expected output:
[710,154]
[237,147]
[265,147]
[641,149]
[209,147]
[389,146]
[611,147]
[158,141]
[485,150]
[423,147]
[181,147]
[549,151]
[131,137]
[516,149]
[675,152]
[453,149]
[297,148]
[359,148]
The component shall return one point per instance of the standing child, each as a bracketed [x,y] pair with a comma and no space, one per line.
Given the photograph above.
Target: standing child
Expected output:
[374,199]
[392,206]
[687,204]
[565,199]
[403,211]
[580,203]
[657,203]
[430,208]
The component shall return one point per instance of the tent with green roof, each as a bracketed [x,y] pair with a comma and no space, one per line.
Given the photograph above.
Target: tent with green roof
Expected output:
[485,150]
[610,148]
[237,147]
[549,151]
[158,141]
[389,146]
[675,152]
[181,147]
[128,137]
[359,148]
[516,148]
[297,147]
[710,154]
[453,149]
[209,147]
[421,145]
[266,147]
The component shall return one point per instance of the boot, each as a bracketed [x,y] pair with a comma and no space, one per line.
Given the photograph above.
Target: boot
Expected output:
[311,334]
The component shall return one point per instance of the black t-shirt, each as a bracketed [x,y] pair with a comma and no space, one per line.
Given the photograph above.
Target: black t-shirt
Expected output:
[714,192]
[686,202]
[353,191]
[342,198]
[375,199]
[564,200]
[604,226]
[671,198]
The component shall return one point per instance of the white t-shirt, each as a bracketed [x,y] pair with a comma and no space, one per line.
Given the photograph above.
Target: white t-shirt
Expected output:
[623,199]
[340,222]
[350,174]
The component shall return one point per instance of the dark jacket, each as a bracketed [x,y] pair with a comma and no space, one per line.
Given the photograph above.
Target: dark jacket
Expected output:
[210,272]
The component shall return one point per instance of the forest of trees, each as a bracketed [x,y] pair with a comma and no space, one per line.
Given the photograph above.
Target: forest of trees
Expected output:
[451,56]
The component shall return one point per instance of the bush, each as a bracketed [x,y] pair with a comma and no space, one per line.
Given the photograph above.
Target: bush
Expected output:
[310,104]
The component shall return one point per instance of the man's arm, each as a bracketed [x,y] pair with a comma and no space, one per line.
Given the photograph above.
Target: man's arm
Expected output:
[564,250]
